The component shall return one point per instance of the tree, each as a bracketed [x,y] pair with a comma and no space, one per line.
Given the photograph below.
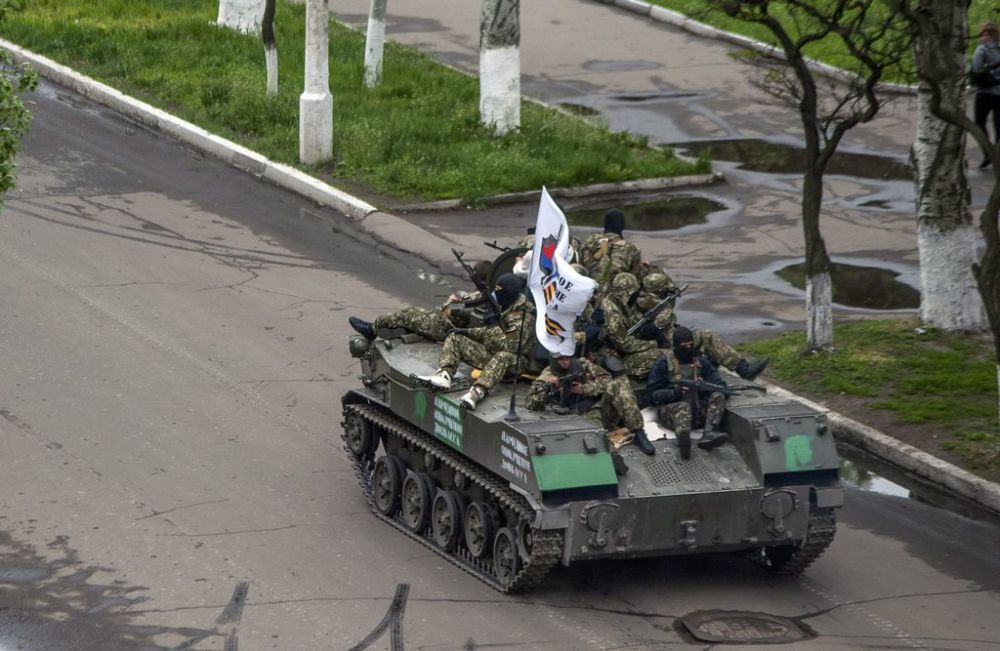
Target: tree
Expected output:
[936,70]
[15,118]
[500,65]
[242,15]
[867,31]
[946,235]
[375,43]
[270,47]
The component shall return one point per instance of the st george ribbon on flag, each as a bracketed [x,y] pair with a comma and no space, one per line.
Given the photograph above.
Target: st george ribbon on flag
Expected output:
[560,292]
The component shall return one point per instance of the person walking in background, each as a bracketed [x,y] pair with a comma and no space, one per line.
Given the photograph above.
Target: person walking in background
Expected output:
[986,79]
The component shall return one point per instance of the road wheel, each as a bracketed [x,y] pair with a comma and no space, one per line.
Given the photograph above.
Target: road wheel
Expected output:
[480,523]
[446,519]
[387,484]
[506,560]
[417,492]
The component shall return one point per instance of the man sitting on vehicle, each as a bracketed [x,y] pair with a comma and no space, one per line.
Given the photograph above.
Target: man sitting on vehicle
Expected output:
[581,387]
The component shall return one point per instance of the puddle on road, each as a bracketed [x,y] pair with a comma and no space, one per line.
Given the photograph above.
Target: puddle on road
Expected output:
[856,286]
[778,158]
[666,214]
[865,479]
[652,96]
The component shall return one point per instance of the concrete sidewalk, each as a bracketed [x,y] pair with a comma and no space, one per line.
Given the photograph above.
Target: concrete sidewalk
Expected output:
[673,87]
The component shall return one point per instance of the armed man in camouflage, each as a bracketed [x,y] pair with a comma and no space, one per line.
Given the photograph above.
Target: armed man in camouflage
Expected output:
[656,286]
[607,254]
[430,324]
[493,348]
[579,386]
[620,312]
[680,406]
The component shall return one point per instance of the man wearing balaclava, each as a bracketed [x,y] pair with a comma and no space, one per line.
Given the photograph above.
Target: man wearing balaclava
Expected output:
[579,386]
[607,254]
[707,406]
[492,348]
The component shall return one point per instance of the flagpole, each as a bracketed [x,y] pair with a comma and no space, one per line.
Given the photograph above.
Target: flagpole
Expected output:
[512,416]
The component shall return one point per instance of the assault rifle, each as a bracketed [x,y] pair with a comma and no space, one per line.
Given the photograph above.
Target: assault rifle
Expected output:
[484,291]
[653,312]
[702,385]
[498,247]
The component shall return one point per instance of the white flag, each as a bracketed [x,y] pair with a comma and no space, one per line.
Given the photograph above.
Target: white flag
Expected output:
[560,292]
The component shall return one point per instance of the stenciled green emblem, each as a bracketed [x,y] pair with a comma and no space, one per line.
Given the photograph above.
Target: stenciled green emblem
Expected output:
[420,404]
[798,452]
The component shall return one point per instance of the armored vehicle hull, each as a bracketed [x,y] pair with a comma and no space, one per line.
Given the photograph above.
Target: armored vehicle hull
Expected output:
[506,500]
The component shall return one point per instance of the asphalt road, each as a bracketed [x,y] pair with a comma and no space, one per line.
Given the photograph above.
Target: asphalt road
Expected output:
[172,347]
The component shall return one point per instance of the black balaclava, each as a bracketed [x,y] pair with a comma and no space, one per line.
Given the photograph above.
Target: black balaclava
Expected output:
[683,335]
[508,289]
[614,221]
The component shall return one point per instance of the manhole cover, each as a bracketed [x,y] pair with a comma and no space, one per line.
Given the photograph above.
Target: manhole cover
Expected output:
[743,627]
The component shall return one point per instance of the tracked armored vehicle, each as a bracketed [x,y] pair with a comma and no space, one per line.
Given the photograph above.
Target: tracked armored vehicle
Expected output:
[506,501]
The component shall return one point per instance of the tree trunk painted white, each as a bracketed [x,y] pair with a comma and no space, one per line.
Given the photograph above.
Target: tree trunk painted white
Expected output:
[242,15]
[316,102]
[946,235]
[271,59]
[500,65]
[819,312]
[949,297]
[375,43]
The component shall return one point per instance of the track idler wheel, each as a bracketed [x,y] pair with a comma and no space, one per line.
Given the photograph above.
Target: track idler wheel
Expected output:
[480,524]
[387,484]
[418,491]
[446,519]
[506,559]
[360,435]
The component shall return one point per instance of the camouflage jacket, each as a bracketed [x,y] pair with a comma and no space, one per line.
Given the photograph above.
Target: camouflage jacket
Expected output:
[617,320]
[505,336]
[605,255]
[594,380]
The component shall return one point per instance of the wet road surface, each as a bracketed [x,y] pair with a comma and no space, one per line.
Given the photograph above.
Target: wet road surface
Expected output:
[173,347]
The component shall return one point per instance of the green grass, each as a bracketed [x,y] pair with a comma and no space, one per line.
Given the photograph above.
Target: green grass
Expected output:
[921,376]
[416,136]
[829,50]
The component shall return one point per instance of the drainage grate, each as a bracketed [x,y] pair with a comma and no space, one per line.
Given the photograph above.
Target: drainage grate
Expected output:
[743,627]
[669,471]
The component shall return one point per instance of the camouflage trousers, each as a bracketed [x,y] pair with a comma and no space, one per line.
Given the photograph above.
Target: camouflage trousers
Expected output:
[682,416]
[617,406]
[493,366]
[433,325]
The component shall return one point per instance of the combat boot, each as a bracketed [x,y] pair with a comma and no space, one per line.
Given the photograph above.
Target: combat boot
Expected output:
[362,327]
[640,441]
[750,371]
[473,396]
[712,439]
[440,380]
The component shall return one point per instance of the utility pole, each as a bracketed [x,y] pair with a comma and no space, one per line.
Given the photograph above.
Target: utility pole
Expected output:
[316,102]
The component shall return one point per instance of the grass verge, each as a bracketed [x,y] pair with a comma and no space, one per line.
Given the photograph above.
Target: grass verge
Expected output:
[415,136]
[932,388]
[829,50]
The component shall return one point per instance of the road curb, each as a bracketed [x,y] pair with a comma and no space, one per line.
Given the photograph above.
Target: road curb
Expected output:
[903,455]
[677,19]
